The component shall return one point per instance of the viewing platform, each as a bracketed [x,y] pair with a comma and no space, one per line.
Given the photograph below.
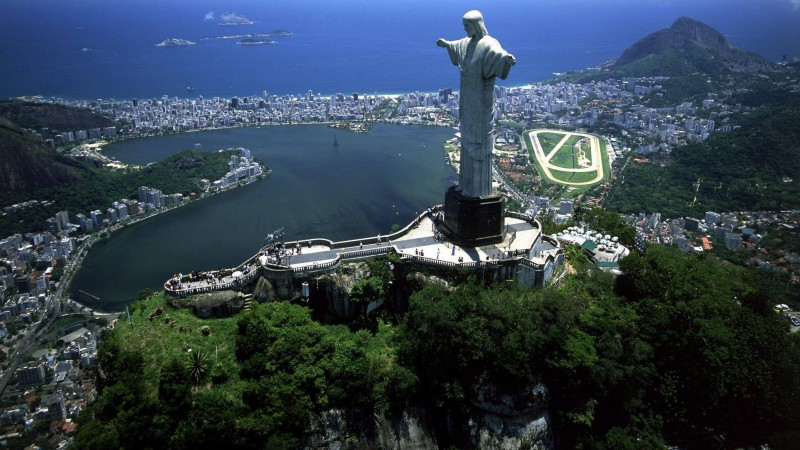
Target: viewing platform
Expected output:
[525,253]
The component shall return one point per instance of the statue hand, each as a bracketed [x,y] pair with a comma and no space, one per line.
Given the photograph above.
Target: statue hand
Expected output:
[441,43]
[511,60]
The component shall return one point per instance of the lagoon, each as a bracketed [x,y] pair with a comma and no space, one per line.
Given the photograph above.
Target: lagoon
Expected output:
[361,187]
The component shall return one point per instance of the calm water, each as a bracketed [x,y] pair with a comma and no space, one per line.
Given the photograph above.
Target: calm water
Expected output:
[372,181]
[100,49]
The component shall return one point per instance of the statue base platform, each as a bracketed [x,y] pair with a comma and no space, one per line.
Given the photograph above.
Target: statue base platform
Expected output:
[473,221]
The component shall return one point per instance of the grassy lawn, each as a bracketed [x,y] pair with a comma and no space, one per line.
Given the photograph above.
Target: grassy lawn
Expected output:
[573,177]
[511,124]
[63,323]
[604,159]
[563,157]
[560,175]
[533,159]
[582,177]
[172,333]
[549,141]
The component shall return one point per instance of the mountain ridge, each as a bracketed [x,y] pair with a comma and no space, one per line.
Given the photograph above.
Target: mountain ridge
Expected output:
[27,163]
[701,47]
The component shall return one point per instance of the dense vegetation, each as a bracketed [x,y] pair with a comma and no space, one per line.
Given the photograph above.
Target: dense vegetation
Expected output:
[53,116]
[98,189]
[677,349]
[752,168]
[27,164]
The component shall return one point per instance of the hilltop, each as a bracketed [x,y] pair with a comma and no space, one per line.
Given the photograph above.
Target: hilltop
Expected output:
[50,115]
[688,46]
[694,57]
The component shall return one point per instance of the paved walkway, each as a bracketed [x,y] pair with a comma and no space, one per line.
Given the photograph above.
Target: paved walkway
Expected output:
[420,241]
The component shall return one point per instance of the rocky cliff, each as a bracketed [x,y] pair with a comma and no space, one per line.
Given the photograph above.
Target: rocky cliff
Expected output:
[414,429]
[495,419]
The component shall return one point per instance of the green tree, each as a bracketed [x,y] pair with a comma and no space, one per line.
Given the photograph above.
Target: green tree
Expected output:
[197,366]
[174,391]
[211,423]
[366,290]
[719,365]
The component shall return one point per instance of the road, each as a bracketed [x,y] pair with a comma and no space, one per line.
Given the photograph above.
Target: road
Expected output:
[52,310]
[512,190]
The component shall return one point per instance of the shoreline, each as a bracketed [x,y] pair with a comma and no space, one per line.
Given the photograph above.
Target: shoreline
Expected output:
[75,266]
[392,95]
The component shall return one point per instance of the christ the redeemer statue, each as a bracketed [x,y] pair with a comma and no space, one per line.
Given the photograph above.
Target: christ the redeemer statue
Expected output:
[481,59]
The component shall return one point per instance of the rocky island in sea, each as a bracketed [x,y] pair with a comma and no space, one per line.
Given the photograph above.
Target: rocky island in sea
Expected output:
[230,19]
[257,35]
[174,42]
[280,33]
[255,41]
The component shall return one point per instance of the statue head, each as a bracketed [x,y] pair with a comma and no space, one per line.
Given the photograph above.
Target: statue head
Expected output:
[473,24]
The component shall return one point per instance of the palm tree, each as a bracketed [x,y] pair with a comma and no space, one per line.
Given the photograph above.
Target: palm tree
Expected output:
[197,366]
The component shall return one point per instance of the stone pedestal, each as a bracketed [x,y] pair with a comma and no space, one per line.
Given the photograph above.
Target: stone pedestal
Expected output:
[473,221]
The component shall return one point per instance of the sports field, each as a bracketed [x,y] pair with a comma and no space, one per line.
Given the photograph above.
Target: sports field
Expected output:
[568,158]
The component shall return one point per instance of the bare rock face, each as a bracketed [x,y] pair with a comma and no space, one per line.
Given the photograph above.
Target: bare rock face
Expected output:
[408,432]
[354,430]
[338,286]
[429,279]
[511,433]
[217,303]
[264,291]
[511,421]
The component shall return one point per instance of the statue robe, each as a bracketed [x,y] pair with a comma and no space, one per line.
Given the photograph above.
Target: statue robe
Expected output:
[480,61]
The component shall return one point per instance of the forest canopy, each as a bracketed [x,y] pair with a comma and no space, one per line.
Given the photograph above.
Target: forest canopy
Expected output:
[676,343]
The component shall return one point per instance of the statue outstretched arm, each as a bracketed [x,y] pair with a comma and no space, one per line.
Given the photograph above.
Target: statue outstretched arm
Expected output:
[452,51]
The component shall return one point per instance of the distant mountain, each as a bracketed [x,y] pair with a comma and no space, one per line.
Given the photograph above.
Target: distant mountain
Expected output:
[53,116]
[688,47]
[28,164]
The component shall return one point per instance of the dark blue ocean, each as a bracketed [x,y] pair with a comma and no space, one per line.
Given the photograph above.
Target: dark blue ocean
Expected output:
[86,49]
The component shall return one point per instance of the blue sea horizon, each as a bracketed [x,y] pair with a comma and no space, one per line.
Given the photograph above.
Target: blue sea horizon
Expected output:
[96,49]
